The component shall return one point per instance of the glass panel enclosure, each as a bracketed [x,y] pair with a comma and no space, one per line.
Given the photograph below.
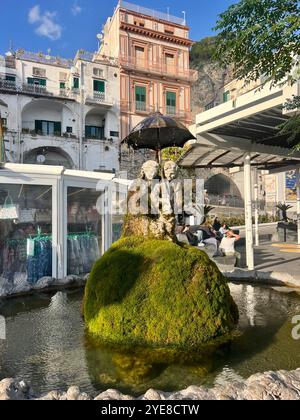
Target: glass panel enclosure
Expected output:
[84,230]
[25,233]
[117,226]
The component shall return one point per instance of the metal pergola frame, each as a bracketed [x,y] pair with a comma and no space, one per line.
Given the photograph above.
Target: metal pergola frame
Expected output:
[212,150]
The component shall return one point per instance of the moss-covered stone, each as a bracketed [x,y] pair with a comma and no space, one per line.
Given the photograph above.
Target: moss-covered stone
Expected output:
[154,292]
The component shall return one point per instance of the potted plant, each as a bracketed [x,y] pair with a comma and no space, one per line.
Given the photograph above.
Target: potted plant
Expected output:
[287,230]
[284,208]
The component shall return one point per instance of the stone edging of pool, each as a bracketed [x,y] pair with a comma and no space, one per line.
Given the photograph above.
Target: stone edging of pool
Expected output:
[45,285]
[271,278]
[49,284]
[280,385]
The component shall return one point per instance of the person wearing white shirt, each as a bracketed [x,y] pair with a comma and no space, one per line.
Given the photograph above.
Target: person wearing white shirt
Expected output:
[227,245]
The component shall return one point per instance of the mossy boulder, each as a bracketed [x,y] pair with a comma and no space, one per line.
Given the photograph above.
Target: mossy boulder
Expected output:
[158,293]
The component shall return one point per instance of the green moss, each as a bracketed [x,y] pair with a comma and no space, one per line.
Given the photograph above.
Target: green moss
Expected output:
[153,292]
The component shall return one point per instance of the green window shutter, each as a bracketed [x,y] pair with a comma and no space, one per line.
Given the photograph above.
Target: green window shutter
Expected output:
[140,93]
[62,85]
[99,86]
[38,126]
[226,96]
[10,78]
[57,127]
[33,81]
[76,83]
[171,99]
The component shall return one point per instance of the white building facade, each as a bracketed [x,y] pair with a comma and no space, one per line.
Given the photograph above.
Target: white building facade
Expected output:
[61,112]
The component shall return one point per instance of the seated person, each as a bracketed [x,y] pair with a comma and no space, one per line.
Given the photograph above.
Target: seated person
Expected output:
[193,239]
[227,246]
[223,230]
[209,237]
[216,225]
[181,237]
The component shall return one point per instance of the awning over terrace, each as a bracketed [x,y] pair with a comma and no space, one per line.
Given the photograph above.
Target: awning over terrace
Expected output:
[213,150]
[241,144]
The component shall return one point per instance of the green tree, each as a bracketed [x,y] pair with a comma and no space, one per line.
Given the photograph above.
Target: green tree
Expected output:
[202,51]
[262,38]
[173,153]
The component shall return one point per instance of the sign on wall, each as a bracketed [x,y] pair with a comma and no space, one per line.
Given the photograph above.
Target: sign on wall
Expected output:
[291,186]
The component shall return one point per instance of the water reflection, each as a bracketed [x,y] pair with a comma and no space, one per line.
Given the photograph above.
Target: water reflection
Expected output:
[46,345]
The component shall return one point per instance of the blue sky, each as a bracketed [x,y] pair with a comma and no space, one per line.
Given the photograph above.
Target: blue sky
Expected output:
[63,26]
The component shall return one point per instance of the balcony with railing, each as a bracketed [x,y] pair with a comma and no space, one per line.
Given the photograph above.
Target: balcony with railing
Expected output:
[101,98]
[141,106]
[138,107]
[178,114]
[171,110]
[158,68]
[7,85]
[38,134]
[37,90]
[33,89]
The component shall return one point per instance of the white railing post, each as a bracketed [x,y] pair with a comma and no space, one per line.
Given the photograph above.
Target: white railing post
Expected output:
[298,204]
[248,211]
[256,208]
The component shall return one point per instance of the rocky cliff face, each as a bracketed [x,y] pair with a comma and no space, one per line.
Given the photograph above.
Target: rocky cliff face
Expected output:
[211,78]
[209,84]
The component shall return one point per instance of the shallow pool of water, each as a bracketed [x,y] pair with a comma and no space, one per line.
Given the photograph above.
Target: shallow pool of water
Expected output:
[46,345]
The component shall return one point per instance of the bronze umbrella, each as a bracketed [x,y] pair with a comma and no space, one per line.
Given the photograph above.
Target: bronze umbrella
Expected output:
[158,132]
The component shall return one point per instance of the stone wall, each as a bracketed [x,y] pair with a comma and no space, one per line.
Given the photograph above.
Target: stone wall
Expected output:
[270,386]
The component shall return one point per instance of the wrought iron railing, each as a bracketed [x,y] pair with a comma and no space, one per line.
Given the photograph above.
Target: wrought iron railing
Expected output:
[99,96]
[35,89]
[152,13]
[225,201]
[140,106]
[137,106]
[160,68]
[211,105]
[8,85]
[171,110]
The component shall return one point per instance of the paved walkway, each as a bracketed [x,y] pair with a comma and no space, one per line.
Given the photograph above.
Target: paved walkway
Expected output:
[275,257]
[275,263]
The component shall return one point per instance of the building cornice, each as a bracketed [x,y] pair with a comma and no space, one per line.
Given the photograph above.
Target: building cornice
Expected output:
[156,35]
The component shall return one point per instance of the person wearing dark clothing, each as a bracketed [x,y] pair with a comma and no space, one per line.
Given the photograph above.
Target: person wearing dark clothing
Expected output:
[209,237]
[193,239]
[217,225]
